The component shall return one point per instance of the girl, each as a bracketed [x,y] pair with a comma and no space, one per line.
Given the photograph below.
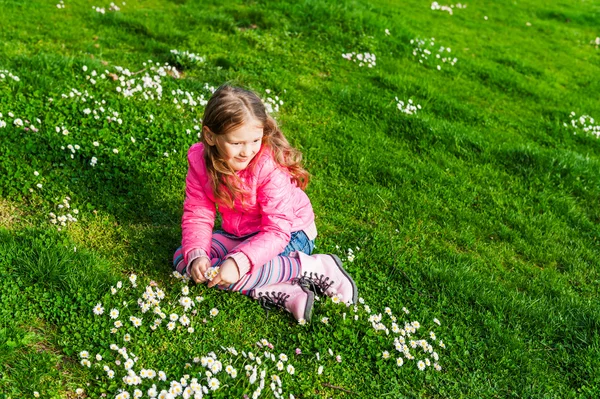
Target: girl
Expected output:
[245,168]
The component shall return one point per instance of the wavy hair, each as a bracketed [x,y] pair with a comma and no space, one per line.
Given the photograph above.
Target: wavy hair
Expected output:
[228,108]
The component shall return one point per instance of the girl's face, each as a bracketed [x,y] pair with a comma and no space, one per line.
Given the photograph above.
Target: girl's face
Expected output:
[239,146]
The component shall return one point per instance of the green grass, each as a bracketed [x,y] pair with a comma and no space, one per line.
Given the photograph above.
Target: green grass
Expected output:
[480,210]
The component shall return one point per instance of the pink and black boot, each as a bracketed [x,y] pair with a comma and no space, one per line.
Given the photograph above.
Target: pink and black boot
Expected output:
[324,274]
[295,299]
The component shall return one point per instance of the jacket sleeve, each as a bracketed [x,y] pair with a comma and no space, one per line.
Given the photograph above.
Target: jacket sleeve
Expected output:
[198,212]
[276,219]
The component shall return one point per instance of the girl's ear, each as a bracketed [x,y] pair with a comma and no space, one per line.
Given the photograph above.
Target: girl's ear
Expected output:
[208,136]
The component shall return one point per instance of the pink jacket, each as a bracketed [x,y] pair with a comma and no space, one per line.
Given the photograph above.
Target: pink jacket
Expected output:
[275,207]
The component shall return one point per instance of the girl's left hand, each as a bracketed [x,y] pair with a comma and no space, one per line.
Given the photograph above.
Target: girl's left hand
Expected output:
[228,274]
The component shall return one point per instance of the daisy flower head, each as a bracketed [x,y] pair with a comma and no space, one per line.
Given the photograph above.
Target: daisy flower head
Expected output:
[421,365]
[98,309]
[437,367]
[337,298]
[123,352]
[432,335]
[114,313]
[399,362]
[118,324]
[127,338]
[385,355]
[186,302]
[135,321]
[290,369]
[405,310]
[213,384]
[212,272]
[86,363]
[216,366]
[171,326]
[436,321]
[280,365]
[214,312]
[325,320]
[185,290]
[177,275]
[283,357]
[173,316]
[302,322]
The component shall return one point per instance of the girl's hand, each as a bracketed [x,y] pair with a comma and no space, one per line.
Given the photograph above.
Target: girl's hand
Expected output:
[199,267]
[228,274]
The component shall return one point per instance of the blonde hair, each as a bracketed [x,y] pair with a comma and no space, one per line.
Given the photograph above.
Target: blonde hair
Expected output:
[228,108]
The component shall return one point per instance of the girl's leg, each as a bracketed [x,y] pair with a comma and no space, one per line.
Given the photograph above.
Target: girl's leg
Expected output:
[277,270]
[280,269]
[221,244]
[179,264]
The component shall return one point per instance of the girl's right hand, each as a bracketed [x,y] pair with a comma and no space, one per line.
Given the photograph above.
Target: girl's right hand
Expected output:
[199,267]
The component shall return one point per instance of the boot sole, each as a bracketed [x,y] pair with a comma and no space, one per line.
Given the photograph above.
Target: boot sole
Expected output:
[309,304]
[338,262]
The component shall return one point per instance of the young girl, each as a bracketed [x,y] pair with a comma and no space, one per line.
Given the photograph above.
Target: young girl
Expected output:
[245,168]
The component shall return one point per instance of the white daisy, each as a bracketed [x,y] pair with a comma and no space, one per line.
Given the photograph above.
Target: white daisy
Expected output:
[98,309]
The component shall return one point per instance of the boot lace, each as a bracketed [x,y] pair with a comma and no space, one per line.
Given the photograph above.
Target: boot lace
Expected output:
[271,300]
[317,283]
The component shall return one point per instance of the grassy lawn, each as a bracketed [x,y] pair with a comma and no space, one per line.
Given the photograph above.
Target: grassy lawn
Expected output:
[477,209]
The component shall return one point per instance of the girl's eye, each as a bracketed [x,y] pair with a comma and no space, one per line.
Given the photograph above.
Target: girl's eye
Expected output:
[257,140]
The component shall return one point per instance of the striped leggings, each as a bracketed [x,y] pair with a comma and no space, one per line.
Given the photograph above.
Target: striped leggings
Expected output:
[279,269]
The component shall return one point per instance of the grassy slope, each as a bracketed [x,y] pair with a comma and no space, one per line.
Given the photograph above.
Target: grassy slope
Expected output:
[481,209]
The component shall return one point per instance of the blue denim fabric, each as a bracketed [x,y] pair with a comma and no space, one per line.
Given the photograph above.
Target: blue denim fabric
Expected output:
[299,242]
